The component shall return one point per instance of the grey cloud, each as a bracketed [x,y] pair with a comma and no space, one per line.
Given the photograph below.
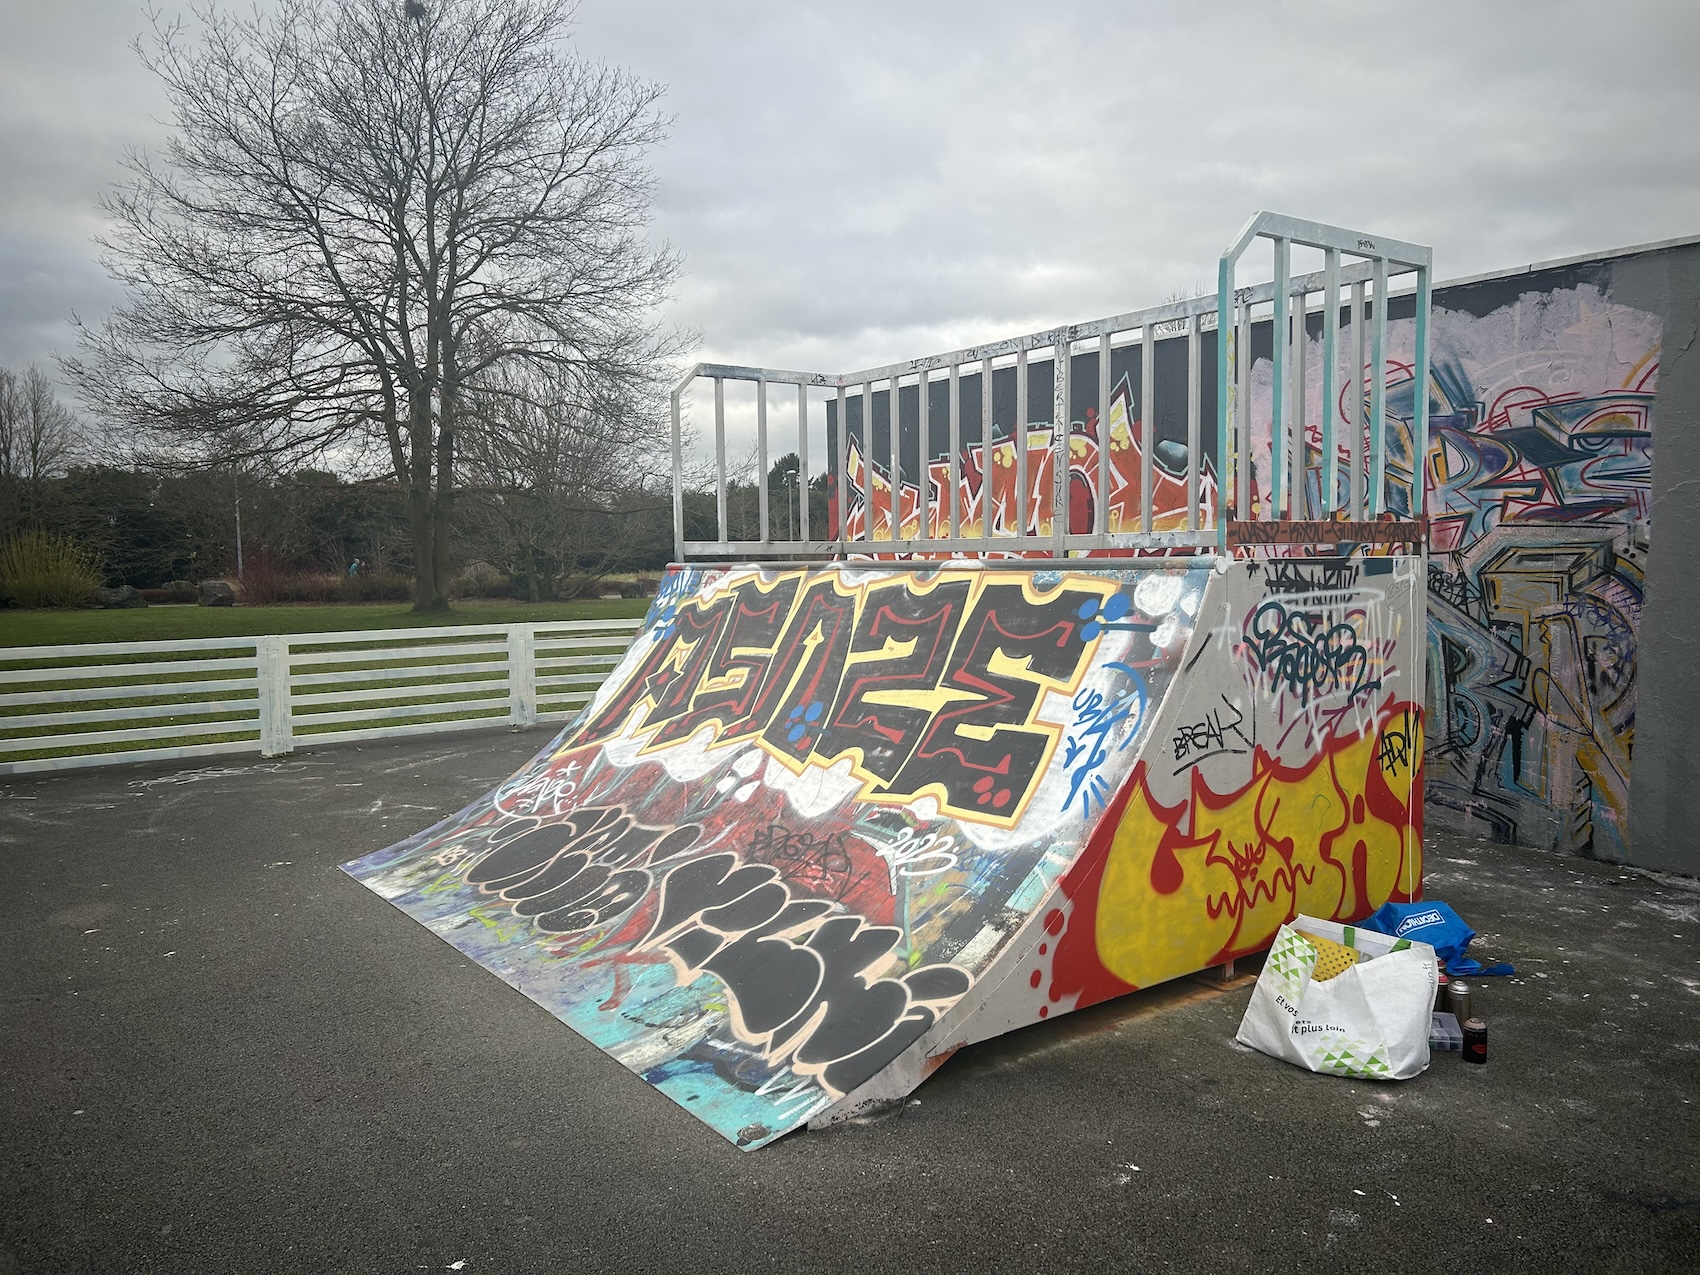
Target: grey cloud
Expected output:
[859,182]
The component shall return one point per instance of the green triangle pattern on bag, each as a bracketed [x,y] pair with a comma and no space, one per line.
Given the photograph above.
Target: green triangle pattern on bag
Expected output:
[1353,1058]
[1292,958]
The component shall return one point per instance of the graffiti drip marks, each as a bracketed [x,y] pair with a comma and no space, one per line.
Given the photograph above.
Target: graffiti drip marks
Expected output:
[927,688]
[798,980]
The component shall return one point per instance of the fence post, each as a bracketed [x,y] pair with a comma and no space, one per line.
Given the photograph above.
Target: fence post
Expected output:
[272,666]
[522,675]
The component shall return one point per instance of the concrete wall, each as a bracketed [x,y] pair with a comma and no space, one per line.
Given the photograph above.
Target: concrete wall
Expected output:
[1559,440]
[1664,809]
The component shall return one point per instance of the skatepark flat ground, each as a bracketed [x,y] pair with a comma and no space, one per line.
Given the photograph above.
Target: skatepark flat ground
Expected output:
[218,1052]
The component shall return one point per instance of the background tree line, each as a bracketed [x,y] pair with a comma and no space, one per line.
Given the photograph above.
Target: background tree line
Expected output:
[549,506]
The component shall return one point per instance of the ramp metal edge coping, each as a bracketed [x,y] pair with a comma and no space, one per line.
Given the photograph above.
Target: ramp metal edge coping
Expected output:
[1230,314]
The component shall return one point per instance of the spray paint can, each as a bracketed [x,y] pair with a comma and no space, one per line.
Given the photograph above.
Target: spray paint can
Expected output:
[1440,1006]
[1475,1041]
[1458,999]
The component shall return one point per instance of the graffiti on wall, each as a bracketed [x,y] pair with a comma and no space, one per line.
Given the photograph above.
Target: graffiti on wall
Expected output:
[987,485]
[1539,480]
[807,814]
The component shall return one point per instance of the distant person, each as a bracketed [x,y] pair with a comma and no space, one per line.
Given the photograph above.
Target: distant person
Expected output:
[354,568]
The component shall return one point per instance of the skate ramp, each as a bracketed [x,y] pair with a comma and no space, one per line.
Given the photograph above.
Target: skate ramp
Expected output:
[824,825]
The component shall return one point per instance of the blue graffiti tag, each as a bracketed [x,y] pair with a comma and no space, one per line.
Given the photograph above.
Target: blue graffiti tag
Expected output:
[1087,748]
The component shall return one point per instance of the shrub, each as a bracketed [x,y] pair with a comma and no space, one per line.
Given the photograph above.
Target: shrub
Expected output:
[171,594]
[264,583]
[481,580]
[42,570]
[377,587]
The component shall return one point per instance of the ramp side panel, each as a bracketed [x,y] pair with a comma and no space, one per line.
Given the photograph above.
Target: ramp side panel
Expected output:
[809,812]
[1281,774]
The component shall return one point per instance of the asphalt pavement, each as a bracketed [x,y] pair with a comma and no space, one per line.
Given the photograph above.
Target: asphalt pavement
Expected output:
[220,1053]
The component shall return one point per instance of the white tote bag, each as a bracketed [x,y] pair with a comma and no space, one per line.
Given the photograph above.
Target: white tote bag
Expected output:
[1369,1020]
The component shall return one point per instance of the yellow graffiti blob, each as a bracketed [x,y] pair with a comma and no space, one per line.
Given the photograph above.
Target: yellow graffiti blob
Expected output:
[1217,875]
[1146,935]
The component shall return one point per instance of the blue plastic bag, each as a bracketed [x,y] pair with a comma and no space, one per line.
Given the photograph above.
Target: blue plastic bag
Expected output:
[1437,925]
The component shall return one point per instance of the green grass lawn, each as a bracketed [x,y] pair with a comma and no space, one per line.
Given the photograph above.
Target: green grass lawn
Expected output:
[143,624]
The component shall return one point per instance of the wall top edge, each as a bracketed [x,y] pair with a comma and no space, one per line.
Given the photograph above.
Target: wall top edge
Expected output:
[1559,263]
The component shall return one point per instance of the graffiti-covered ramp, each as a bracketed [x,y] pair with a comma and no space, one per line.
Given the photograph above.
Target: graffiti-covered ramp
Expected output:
[824,825]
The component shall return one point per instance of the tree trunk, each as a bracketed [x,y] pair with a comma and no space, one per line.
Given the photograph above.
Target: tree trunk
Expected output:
[422,516]
[442,504]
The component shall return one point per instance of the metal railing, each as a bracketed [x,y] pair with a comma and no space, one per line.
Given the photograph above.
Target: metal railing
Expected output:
[102,703]
[1003,496]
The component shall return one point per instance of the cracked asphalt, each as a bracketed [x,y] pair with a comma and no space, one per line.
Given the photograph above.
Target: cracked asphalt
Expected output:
[220,1053]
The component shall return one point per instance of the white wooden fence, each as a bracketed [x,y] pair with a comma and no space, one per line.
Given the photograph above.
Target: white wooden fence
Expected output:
[102,703]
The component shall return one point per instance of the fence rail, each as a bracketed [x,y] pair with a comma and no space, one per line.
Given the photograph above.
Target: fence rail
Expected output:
[102,703]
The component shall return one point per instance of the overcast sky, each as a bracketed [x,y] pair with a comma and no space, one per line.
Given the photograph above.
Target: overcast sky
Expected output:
[856,182]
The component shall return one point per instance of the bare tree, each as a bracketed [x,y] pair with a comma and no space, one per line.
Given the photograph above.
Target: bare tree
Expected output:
[566,475]
[368,209]
[39,437]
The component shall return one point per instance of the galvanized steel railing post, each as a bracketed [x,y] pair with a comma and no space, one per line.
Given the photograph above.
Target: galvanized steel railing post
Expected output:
[1194,396]
[1101,480]
[1359,442]
[762,523]
[893,435]
[1378,395]
[678,483]
[955,451]
[1330,358]
[724,533]
[840,449]
[1023,522]
[1224,404]
[923,455]
[1278,389]
[1419,405]
[1147,420]
[1245,477]
[867,412]
[1298,448]
[804,532]
[987,460]
[1059,453]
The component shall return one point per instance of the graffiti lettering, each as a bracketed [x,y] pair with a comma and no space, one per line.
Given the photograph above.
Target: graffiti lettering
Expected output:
[1208,738]
[1304,657]
[1296,575]
[1098,717]
[799,982]
[587,870]
[541,794]
[1394,752]
[915,855]
[987,478]
[1282,532]
[1215,874]
[818,865]
[926,687]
